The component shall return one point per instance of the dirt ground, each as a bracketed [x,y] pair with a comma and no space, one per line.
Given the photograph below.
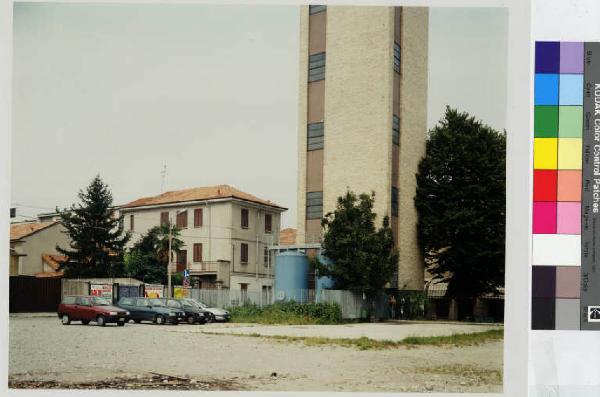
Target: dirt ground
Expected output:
[45,354]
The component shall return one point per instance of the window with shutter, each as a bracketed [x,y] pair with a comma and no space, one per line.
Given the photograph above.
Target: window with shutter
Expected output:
[198,217]
[198,252]
[164,218]
[244,218]
[244,253]
[182,220]
[268,223]
[182,257]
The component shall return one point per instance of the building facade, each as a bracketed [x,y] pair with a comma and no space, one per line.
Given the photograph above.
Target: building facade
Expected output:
[362,118]
[33,248]
[226,234]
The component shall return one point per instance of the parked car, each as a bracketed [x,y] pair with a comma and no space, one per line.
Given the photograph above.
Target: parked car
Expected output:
[91,308]
[149,309]
[193,314]
[218,314]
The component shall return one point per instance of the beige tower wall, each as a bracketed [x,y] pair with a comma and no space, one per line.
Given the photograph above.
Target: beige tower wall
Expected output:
[413,128]
[358,104]
[302,122]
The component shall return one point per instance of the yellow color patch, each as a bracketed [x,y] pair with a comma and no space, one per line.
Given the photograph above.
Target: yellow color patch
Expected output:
[545,153]
[569,153]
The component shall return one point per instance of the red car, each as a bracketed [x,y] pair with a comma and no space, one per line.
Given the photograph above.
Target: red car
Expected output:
[91,308]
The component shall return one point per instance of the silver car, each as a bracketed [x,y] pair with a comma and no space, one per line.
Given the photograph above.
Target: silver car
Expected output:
[219,315]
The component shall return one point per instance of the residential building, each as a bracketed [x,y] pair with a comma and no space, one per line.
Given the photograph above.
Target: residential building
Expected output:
[362,118]
[33,248]
[226,233]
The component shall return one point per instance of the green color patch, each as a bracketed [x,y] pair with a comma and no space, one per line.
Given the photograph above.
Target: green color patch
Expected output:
[546,122]
[570,121]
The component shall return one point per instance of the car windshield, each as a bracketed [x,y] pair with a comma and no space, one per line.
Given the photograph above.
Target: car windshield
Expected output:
[156,302]
[194,303]
[96,301]
[202,305]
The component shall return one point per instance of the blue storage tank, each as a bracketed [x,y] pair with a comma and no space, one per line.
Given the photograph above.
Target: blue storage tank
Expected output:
[291,276]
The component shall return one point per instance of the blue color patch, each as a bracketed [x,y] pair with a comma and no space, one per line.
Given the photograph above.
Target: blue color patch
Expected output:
[546,89]
[571,89]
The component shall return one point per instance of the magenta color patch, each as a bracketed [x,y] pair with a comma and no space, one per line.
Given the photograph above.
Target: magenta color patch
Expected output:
[568,218]
[544,217]
[571,57]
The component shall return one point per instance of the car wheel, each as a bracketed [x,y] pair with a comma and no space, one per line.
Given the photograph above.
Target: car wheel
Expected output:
[85,322]
[159,319]
[191,320]
[65,319]
[101,321]
[137,321]
[121,323]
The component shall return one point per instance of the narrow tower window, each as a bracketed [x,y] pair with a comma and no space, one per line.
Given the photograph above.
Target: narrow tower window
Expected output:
[316,67]
[315,136]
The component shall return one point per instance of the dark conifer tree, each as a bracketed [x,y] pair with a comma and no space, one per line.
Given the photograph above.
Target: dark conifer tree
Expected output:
[461,192]
[96,234]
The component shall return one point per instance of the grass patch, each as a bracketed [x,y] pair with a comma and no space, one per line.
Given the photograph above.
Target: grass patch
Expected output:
[364,343]
[470,339]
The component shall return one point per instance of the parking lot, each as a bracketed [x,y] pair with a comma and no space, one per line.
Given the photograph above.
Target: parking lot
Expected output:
[42,349]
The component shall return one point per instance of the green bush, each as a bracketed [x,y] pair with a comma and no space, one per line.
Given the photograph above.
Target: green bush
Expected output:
[288,312]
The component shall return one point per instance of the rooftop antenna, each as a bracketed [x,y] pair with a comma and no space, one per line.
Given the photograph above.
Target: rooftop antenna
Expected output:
[163,174]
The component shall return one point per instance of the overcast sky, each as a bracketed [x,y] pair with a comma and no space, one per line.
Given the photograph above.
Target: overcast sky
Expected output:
[210,91]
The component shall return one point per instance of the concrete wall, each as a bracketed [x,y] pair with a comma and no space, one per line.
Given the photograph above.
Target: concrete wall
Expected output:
[413,130]
[302,123]
[36,244]
[358,104]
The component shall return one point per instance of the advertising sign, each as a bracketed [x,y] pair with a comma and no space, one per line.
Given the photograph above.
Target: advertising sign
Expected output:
[102,290]
[153,291]
[181,292]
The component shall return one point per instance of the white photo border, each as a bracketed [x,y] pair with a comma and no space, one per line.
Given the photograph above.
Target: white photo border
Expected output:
[518,187]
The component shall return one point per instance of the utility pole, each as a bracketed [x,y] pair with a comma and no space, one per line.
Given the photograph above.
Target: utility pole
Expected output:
[170,259]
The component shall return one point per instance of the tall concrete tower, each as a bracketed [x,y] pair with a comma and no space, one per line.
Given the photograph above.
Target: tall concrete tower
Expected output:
[362,118]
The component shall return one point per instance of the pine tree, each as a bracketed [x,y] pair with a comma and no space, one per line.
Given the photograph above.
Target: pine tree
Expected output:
[364,257]
[460,199]
[97,238]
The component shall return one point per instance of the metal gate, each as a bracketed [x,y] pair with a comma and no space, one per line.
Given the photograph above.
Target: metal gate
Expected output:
[129,291]
[31,294]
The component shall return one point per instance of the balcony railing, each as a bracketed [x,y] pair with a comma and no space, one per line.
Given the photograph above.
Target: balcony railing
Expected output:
[203,267]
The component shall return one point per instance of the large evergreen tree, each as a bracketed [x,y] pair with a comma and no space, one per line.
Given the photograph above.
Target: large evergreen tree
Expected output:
[461,204]
[364,257]
[97,238]
[148,258]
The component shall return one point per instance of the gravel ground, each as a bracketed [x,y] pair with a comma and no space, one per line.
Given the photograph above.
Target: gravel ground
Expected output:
[396,331]
[43,350]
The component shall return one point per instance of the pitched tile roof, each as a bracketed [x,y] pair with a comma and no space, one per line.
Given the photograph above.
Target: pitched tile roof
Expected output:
[287,236]
[197,194]
[24,229]
[53,260]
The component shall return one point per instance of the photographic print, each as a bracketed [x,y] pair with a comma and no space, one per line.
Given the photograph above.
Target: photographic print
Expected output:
[274,197]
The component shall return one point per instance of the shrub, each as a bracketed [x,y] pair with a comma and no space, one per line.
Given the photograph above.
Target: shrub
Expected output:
[289,312]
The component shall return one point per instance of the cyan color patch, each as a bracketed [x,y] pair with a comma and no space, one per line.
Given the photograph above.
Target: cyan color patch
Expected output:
[571,89]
